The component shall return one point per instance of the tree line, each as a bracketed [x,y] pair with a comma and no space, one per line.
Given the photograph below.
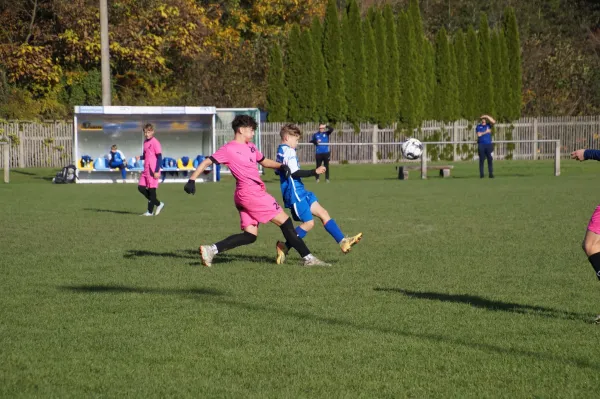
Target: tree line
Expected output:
[381,68]
[220,52]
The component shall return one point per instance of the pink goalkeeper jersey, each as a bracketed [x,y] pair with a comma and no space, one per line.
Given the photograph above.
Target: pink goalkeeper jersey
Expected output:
[242,159]
[151,149]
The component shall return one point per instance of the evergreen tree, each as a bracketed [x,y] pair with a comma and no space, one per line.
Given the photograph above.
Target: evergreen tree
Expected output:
[497,78]
[485,98]
[372,68]
[293,74]
[393,73]
[408,73]
[307,79]
[320,72]
[473,75]
[513,44]
[355,84]
[276,92]
[429,81]
[382,56]
[504,109]
[419,92]
[442,100]
[462,70]
[453,94]
[334,61]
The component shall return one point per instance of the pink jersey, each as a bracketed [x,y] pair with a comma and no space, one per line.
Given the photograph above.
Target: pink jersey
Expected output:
[151,149]
[242,159]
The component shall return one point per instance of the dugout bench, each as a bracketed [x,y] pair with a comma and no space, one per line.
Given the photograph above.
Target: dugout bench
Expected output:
[404,169]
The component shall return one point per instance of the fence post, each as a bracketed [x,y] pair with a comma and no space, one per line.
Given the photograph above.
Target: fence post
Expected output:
[535,139]
[454,129]
[557,159]
[6,155]
[424,162]
[375,143]
[21,160]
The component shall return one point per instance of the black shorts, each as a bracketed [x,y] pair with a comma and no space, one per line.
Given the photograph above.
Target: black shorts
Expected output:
[324,157]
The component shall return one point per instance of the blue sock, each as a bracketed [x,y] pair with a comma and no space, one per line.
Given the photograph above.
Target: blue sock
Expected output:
[123,173]
[300,232]
[333,229]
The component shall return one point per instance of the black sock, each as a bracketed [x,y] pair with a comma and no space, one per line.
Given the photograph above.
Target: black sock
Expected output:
[235,240]
[287,228]
[152,201]
[595,261]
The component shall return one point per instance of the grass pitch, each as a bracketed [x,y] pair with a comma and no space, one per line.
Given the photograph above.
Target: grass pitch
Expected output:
[461,287]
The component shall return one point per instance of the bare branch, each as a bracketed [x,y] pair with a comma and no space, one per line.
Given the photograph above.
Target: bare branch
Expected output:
[35,2]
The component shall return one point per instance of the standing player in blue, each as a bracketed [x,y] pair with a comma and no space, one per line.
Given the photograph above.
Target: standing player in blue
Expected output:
[485,146]
[322,153]
[591,242]
[303,204]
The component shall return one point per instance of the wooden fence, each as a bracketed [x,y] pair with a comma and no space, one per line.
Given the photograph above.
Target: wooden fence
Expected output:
[49,144]
[39,144]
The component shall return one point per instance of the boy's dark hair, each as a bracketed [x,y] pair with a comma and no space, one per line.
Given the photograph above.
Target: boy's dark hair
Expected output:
[243,121]
[148,126]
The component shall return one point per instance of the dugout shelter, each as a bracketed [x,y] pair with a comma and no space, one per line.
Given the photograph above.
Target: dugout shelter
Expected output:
[187,135]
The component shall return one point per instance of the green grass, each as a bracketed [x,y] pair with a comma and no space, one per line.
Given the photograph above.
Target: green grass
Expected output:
[461,287]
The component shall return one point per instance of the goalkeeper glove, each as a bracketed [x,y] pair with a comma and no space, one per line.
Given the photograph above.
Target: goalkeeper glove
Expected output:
[190,187]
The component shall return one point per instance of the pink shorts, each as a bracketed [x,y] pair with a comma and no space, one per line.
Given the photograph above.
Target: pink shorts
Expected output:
[147,180]
[259,207]
[594,224]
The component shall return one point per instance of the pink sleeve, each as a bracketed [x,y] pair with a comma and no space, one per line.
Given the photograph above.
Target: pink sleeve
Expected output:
[259,155]
[222,155]
[157,147]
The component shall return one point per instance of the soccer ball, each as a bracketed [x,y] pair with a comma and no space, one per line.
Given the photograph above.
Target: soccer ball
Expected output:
[412,148]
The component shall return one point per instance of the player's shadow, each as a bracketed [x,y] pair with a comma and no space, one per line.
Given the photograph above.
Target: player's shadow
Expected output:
[118,289]
[221,298]
[181,253]
[195,255]
[22,172]
[110,211]
[488,304]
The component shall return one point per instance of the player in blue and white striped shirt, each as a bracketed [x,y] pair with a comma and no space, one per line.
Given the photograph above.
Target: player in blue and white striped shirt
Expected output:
[302,203]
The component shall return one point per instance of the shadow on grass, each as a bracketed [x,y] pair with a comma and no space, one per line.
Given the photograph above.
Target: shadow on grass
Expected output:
[488,304]
[215,296]
[116,289]
[110,211]
[194,254]
[22,172]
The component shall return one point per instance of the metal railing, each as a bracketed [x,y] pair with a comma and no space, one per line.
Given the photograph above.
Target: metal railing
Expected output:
[424,155]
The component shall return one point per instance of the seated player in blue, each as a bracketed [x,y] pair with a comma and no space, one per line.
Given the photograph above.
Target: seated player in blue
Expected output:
[302,203]
[116,159]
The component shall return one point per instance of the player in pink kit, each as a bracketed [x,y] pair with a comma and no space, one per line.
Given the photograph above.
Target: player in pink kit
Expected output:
[149,179]
[251,199]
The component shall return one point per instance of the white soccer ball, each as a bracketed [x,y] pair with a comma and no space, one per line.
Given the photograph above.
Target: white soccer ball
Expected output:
[412,148]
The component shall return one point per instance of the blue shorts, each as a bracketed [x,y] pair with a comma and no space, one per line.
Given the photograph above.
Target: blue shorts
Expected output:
[301,210]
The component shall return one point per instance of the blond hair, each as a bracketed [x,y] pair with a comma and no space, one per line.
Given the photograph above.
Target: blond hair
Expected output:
[148,126]
[291,130]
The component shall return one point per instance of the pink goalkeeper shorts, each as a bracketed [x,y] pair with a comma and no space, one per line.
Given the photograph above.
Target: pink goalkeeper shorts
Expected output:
[594,224]
[147,180]
[255,208]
